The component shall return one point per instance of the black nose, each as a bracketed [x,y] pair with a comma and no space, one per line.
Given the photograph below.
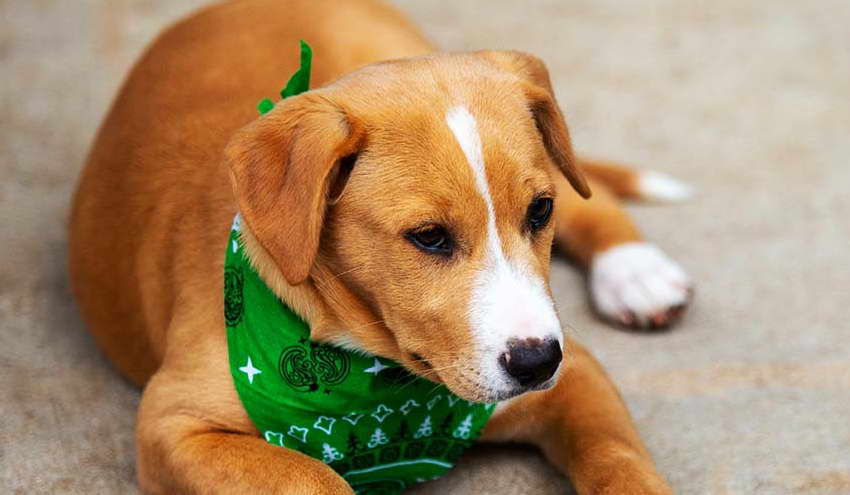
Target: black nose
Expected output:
[531,361]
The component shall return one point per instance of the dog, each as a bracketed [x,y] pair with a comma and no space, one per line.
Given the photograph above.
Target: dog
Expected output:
[404,209]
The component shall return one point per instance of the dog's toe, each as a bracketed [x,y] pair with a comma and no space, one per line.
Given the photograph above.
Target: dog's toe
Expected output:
[636,285]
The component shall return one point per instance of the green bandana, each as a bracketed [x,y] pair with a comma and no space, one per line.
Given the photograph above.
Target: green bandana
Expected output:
[298,83]
[378,426]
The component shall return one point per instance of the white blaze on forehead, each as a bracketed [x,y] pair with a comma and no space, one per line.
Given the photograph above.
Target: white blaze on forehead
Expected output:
[509,300]
[465,129]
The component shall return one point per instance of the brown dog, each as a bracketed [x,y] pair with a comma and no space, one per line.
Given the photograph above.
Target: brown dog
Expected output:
[402,210]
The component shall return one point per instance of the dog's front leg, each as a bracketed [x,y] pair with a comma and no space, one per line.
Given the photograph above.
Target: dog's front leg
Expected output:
[583,427]
[185,447]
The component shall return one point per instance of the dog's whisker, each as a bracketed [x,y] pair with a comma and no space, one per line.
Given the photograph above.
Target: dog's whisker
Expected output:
[324,281]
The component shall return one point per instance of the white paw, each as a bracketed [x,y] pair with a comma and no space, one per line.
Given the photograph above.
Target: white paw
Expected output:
[637,285]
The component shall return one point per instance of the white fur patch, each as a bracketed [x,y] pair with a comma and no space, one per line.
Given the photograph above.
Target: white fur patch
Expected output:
[508,301]
[635,282]
[662,187]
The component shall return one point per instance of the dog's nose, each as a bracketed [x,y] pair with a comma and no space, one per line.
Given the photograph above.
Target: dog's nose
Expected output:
[531,361]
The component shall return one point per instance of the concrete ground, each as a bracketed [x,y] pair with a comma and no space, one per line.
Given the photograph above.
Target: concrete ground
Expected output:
[748,100]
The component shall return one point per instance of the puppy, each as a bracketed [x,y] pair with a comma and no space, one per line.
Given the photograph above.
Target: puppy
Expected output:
[400,216]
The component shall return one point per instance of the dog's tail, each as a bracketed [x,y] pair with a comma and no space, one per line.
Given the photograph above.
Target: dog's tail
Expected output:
[629,183]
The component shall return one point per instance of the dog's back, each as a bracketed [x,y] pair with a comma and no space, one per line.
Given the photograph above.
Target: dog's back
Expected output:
[154,195]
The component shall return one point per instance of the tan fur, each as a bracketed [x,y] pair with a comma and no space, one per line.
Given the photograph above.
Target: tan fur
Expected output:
[587,227]
[155,201]
[619,179]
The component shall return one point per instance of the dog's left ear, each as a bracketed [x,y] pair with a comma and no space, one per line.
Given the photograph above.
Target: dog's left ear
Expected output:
[285,168]
[547,115]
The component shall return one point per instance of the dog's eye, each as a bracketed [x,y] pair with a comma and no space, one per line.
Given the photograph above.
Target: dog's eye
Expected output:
[433,240]
[539,212]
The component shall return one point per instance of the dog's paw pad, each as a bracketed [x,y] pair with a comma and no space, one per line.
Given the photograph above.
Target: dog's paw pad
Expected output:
[638,286]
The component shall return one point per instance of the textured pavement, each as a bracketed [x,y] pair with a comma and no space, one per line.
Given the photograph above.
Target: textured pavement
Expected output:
[747,100]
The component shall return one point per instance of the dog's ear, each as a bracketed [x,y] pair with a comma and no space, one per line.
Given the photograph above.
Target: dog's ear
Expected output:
[547,115]
[285,167]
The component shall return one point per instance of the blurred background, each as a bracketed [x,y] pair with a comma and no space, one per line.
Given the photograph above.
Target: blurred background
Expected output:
[748,100]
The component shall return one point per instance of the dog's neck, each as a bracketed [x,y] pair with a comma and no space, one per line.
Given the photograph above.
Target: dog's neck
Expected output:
[335,314]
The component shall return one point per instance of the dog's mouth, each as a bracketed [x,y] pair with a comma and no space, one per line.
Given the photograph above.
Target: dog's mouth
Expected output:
[423,367]
[466,390]
[461,384]
[465,385]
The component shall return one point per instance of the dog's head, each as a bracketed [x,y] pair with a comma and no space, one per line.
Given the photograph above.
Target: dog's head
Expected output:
[418,191]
